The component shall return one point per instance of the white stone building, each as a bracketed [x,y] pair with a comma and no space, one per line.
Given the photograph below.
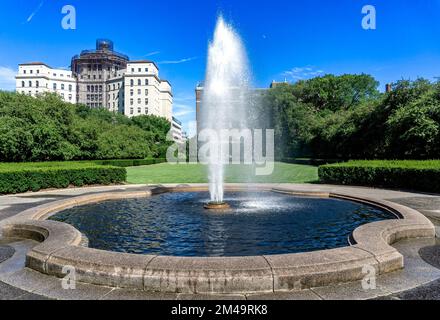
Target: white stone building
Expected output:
[37,78]
[145,92]
[103,78]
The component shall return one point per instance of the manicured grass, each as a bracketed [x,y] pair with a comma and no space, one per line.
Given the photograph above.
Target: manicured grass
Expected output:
[196,173]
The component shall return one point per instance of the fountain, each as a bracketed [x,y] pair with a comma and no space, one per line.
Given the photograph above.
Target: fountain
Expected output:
[224,102]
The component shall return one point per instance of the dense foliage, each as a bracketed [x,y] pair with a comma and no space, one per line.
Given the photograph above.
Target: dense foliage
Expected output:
[48,129]
[346,117]
[415,175]
[22,177]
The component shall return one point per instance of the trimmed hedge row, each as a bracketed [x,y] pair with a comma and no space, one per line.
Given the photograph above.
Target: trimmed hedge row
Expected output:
[409,175]
[310,162]
[23,177]
[130,163]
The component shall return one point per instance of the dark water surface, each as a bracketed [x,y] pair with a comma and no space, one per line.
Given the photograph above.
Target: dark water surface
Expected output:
[176,224]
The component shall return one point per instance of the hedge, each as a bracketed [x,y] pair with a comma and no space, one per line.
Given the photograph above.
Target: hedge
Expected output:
[130,163]
[310,161]
[23,177]
[408,175]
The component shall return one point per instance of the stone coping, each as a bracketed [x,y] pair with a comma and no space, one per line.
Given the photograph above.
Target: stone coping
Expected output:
[62,245]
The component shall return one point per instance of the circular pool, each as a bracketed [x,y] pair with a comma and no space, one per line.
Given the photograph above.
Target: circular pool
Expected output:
[262,223]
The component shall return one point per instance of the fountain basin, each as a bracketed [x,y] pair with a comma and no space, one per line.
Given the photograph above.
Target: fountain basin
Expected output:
[61,246]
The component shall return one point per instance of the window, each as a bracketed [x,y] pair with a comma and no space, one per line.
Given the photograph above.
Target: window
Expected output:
[114,86]
[88,88]
[139,70]
[100,88]
[139,91]
[24,71]
[23,84]
[146,110]
[131,82]
[30,84]
[146,69]
[131,92]
[139,101]
[31,71]
[146,82]
[146,102]
[62,86]
[139,82]
[131,111]
[70,97]
[37,84]
[139,110]
[62,95]
[132,70]
[131,102]
[70,87]
[146,92]
[38,71]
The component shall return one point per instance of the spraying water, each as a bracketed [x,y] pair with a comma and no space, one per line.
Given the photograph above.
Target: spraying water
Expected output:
[225,99]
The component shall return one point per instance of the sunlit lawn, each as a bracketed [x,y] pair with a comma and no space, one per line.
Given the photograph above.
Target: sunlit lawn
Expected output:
[196,173]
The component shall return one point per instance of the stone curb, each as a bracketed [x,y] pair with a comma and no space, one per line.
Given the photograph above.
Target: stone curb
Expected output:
[60,247]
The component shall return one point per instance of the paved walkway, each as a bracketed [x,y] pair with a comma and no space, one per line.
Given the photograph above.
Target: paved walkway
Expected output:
[419,280]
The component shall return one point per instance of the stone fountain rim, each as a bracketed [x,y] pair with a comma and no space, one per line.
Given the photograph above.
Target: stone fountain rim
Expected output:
[61,245]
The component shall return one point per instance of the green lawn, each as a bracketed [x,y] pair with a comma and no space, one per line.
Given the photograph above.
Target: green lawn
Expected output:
[196,173]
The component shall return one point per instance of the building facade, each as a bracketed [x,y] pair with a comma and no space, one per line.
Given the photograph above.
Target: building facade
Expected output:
[37,78]
[102,78]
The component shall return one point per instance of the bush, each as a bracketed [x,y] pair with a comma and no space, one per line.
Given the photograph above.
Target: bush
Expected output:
[23,177]
[412,175]
[130,163]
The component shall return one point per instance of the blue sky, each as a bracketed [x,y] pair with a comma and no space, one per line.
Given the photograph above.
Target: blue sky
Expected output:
[285,39]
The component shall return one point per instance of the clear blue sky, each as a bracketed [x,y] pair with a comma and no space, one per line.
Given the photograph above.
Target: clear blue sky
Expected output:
[285,38]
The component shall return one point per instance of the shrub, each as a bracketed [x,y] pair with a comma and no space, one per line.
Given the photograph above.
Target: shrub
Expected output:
[130,162]
[412,175]
[23,177]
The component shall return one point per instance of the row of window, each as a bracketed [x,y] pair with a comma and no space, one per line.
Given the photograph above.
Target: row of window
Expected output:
[94,105]
[139,82]
[38,72]
[114,96]
[139,110]
[95,88]
[98,67]
[139,70]
[94,97]
[37,85]
[139,92]
[114,87]
[139,101]
[38,92]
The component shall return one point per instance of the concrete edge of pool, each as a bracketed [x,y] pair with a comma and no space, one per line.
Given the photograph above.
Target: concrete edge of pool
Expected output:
[60,246]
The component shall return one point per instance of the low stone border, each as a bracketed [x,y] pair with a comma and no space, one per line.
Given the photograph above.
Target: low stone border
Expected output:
[61,246]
